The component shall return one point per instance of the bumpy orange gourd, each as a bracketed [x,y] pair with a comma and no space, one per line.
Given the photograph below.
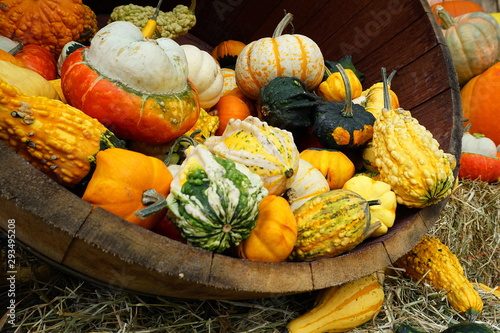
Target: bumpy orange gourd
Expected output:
[432,262]
[50,23]
[275,234]
[120,178]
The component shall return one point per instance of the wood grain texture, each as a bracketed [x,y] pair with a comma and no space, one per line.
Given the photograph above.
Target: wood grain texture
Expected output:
[104,249]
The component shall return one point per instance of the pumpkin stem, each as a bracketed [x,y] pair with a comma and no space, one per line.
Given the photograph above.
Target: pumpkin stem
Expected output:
[387,97]
[287,19]
[175,151]
[446,18]
[154,201]
[347,109]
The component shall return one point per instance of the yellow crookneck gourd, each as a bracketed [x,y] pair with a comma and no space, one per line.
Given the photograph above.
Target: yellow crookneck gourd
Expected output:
[373,98]
[409,159]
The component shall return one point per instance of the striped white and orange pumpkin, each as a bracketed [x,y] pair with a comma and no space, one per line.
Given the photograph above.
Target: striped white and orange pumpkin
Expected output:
[229,80]
[280,55]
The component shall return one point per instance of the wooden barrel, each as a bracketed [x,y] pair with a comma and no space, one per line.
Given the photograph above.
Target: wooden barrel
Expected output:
[100,247]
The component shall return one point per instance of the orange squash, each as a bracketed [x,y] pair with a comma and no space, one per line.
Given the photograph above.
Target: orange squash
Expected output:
[49,23]
[229,107]
[480,108]
[6,56]
[457,8]
[275,234]
[120,178]
[227,52]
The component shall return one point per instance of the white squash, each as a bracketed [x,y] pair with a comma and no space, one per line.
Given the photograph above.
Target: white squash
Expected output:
[206,75]
[308,183]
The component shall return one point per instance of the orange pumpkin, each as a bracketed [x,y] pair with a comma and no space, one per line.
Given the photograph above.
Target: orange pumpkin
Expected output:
[480,108]
[49,23]
[280,55]
[227,52]
[457,8]
[120,178]
[275,234]
[480,167]
[39,59]
[229,107]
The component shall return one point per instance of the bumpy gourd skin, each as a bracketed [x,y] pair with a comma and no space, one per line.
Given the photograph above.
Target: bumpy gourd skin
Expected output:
[434,263]
[50,23]
[170,24]
[409,159]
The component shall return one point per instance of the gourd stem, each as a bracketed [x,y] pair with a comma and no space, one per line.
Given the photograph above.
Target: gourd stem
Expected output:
[155,203]
[192,7]
[387,97]
[347,109]
[283,23]
[446,18]
[374,202]
[190,140]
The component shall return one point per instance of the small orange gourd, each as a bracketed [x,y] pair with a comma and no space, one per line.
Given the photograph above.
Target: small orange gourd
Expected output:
[227,52]
[120,179]
[275,234]
[229,107]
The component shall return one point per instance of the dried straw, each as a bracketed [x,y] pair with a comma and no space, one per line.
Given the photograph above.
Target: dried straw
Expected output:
[51,301]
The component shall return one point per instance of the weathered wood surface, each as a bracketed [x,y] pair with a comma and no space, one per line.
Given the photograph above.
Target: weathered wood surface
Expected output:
[100,247]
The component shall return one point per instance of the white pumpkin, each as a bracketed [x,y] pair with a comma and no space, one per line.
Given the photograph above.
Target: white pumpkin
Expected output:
[308,183]
[206,75]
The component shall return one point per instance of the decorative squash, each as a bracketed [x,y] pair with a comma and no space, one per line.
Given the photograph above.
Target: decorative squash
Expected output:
[467,327]
[57,86]
[334,165]
[56,138]
[227,52]
[68,48]
[136,86]
[479,167]
[479,105]
[457,8]
[473,40]
[432,262]
[6,56]
[330,224]
[49,23]
[248,101]
[308,183]
[206,125]
[280,55]
[229,107]
[343,125]
[342,308]
[346,62]
[372,99]
[28,81]
[205,74]
[409,159]
[285,103]
[38,59]
[268,151]
[228,75]
[121,177]
[333,88]
[274,236]
[476,143]
[371,189]
[368,157]
[213,201]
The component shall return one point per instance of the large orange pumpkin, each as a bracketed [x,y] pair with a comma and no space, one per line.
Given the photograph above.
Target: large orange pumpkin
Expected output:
[479,103]
[280,55]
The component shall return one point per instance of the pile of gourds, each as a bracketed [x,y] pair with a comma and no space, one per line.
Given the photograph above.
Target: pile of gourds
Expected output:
[211,150]
[473,38]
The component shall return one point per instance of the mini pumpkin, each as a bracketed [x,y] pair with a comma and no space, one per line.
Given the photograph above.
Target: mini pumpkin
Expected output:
[120,179]
[137,86]
[280,55]
[275,234]
[227,52]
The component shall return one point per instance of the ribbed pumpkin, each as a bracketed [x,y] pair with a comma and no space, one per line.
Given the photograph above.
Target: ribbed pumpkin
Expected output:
[136,86]
[479,105]
[280,55]
[473,40]
[275,234]
[121,177]
[50,23]
[268,151]
[330,224]
[227,52]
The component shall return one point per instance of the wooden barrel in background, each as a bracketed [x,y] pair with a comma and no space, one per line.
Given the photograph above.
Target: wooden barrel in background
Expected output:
[98,246]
